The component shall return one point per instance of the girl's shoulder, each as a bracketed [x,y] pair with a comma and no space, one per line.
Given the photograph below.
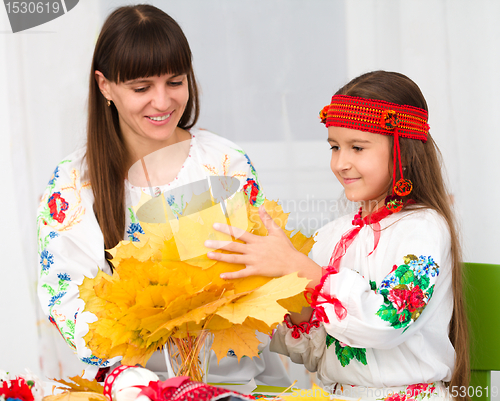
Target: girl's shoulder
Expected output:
[422,220]
[417,219]
[337,226]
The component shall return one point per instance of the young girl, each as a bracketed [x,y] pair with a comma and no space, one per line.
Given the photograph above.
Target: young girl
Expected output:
[387,316]
[143,98]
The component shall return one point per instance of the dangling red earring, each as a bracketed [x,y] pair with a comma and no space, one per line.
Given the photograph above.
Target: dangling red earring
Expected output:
[403,186]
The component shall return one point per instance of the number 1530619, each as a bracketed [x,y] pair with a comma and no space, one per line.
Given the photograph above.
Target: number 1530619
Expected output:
[32,7]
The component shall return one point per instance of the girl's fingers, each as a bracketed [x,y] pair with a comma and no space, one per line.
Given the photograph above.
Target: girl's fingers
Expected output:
[269,223]
[227,257]
[226,245]
[239,274]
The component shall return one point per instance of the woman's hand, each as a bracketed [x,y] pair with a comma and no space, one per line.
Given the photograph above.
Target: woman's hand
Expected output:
[270,256]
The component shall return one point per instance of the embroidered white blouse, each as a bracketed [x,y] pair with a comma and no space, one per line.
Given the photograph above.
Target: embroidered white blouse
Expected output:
[71,247]
[398,301]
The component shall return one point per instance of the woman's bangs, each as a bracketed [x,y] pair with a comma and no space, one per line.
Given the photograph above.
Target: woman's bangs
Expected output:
[149,52]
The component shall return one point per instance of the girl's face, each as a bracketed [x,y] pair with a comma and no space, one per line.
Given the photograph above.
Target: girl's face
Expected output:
[361,162]
[149,108]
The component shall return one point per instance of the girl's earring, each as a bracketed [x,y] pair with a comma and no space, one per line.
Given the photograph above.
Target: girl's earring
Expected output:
[108,102]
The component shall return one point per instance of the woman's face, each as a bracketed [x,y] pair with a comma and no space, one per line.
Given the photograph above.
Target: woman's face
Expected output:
[149,108]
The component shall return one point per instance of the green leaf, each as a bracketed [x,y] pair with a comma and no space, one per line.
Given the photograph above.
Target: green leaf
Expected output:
[133,218]
[71,325]
[360,354]
[329,340]
[430,291]
[344,354]
[401,270]
[407,277]
[373,285]
[387,313]
[50,290]
[423,282]
[385,294]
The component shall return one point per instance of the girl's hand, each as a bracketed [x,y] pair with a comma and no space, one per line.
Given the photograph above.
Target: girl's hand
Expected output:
[270,256]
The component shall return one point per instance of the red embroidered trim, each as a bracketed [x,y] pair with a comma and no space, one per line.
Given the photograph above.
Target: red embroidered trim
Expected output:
[304,327]
[376,116]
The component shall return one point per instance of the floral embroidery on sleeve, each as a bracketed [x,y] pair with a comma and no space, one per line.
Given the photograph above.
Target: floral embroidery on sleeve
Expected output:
[407,290]
[252,187]
[57,212]
[134,227]
[65,326]
[346,354]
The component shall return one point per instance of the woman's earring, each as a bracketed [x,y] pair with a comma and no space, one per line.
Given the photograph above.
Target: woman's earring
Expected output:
[109,102]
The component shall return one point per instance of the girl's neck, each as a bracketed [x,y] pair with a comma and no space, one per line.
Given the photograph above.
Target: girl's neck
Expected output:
[371,206]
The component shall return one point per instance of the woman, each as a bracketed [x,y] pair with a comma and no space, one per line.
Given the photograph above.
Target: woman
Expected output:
[143,98]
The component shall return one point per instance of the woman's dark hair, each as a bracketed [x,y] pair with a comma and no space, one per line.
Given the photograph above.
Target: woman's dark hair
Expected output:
[135,41]
[423,167]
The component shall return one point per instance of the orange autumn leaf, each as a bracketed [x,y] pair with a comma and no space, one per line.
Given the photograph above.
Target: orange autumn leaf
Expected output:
[78,383]
[236,334]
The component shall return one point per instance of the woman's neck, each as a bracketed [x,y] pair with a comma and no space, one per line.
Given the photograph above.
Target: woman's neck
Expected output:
[158,165]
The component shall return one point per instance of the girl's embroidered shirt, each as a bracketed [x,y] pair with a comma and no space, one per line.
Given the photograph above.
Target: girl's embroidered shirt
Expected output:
[398,301]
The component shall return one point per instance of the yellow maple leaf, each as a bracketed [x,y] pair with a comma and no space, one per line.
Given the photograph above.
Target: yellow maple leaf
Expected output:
[244,337]
[295,303]
[259,303]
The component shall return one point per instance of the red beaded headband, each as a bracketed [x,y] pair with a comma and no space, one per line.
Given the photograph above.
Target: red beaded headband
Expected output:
[380,117]
[376,116]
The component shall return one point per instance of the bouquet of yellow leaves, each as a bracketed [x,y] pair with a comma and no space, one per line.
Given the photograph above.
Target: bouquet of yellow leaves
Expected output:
[157,297]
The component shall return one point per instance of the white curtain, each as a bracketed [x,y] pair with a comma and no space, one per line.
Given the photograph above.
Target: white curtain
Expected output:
[265,68]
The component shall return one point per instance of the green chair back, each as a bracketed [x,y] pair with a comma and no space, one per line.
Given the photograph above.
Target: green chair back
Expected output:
[482,299]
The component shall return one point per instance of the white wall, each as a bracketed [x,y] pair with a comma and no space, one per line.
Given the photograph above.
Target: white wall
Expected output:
[265,68]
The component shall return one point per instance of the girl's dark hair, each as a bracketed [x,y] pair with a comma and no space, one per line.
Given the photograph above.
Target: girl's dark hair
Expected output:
[135,41]
[423,167]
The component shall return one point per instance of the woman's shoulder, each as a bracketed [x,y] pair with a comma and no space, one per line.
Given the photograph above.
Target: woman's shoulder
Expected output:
[71,171]
[207,139]
[73,161]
